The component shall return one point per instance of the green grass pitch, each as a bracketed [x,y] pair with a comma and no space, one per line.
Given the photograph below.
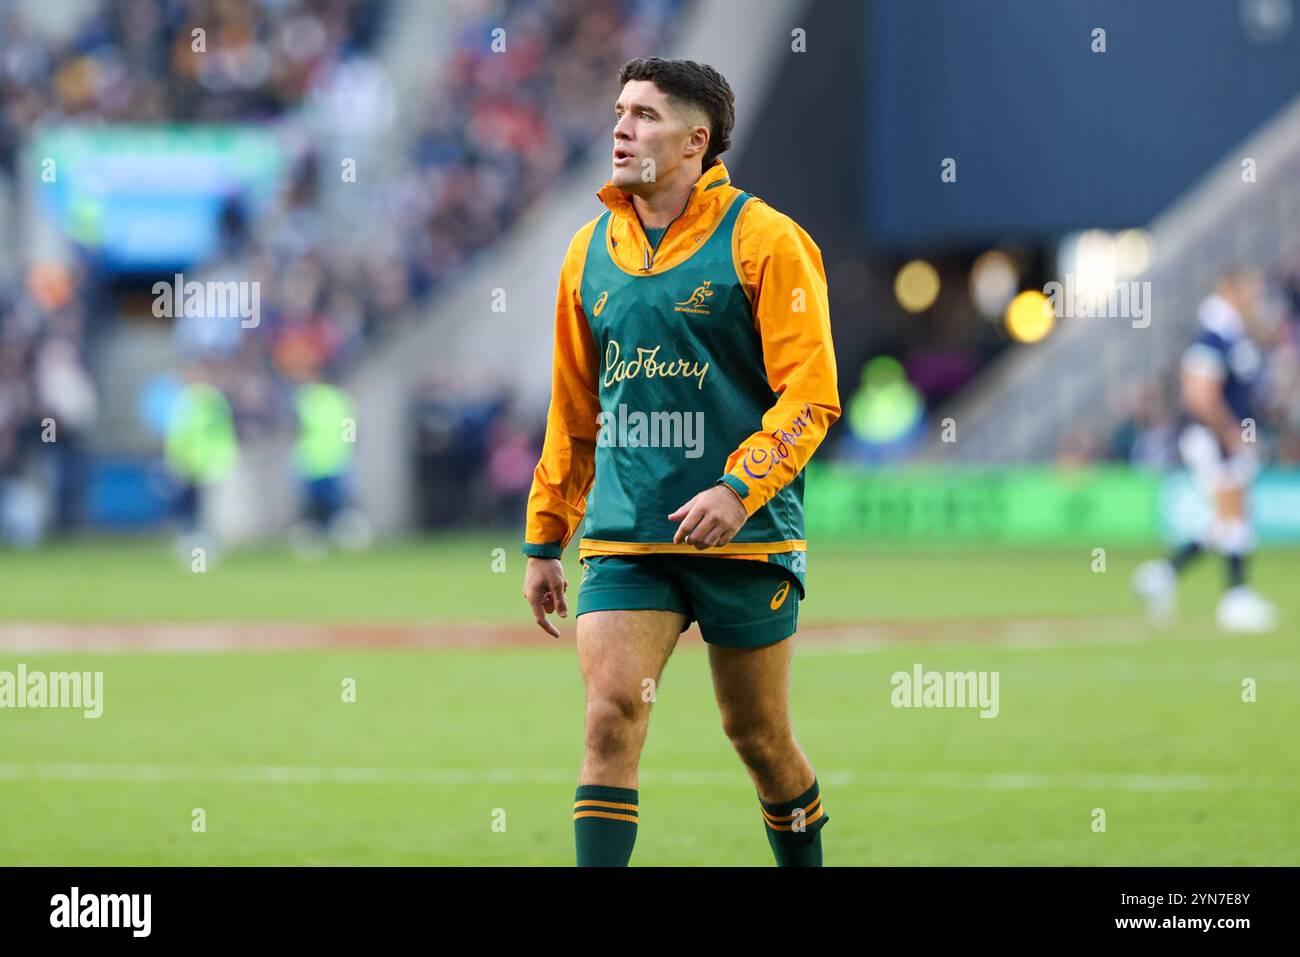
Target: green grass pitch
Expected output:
[1147,725]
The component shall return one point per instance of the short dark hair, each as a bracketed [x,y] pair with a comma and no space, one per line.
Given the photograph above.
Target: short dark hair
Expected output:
[696,84]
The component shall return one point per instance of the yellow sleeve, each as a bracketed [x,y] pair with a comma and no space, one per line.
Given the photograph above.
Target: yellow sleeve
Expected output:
[564,474]
[783,271]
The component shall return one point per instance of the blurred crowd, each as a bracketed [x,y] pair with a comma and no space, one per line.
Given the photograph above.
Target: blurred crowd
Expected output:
[492,139]
[487,142]
[139,61]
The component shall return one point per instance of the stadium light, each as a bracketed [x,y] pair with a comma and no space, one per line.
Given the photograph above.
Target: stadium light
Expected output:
[1094,262]
[993,281]
[916,286]
[1133,249]
[1029,318]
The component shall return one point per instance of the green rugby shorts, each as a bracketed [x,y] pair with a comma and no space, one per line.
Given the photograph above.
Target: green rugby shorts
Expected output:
[739,603]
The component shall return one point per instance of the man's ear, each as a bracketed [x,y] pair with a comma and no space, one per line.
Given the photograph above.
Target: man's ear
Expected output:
[698,142]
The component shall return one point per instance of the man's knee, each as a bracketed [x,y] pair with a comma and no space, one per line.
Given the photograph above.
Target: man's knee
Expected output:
[760,745]
[613,723]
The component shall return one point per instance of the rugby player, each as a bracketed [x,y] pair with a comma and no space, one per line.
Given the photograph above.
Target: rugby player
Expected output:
[686,300]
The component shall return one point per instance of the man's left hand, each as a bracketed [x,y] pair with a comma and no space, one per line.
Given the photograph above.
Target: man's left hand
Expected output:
[711,518]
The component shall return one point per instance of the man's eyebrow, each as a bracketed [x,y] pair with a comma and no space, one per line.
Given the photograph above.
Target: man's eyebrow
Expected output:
[637,106]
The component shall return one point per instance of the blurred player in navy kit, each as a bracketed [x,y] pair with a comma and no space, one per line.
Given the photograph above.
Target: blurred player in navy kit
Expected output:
[1218,375]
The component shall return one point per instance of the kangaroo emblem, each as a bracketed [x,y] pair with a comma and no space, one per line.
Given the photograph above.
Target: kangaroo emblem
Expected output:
[699,295]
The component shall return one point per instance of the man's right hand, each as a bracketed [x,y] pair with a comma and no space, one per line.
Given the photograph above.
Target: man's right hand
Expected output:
[544,587]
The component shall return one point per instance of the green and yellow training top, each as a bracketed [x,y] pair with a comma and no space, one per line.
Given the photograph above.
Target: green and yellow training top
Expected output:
[703,358]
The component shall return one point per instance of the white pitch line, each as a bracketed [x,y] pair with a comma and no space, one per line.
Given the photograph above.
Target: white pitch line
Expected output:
[949,780]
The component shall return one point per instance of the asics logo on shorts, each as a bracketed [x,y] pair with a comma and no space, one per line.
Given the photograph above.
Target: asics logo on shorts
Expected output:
[779,598]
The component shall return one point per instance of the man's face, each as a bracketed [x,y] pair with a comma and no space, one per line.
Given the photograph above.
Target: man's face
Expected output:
[1248,292]
[1263,310]
[1243,291]
[652,138]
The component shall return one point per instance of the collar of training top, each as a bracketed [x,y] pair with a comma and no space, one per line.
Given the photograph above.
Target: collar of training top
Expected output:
[620,203]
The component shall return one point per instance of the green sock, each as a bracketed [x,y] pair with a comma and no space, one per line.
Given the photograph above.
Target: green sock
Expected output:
[604,825]
[796,837]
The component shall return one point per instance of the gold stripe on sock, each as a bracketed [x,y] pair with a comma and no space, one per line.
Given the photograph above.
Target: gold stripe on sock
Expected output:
[591,802]
[790,817]
[605,814]
[820,812]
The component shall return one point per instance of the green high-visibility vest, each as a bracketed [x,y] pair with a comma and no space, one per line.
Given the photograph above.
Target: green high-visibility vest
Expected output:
[201,445]
[326,430]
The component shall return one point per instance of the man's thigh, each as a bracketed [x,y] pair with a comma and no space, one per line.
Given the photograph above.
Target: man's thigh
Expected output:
[630,614]
[747,611]
[619,650]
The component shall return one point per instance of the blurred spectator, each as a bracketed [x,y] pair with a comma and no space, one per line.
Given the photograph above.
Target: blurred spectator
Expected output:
[66,402]
[474,455]
[1147,435]
[201,449]
[323,456]
[21,513]
[515,450]
[1080,446]
[886,415]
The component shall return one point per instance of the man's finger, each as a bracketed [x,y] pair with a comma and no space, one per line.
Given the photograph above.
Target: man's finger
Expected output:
[543,622]
[682,509]
[688,525]
[720,538]
[706,533]
[561,605]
